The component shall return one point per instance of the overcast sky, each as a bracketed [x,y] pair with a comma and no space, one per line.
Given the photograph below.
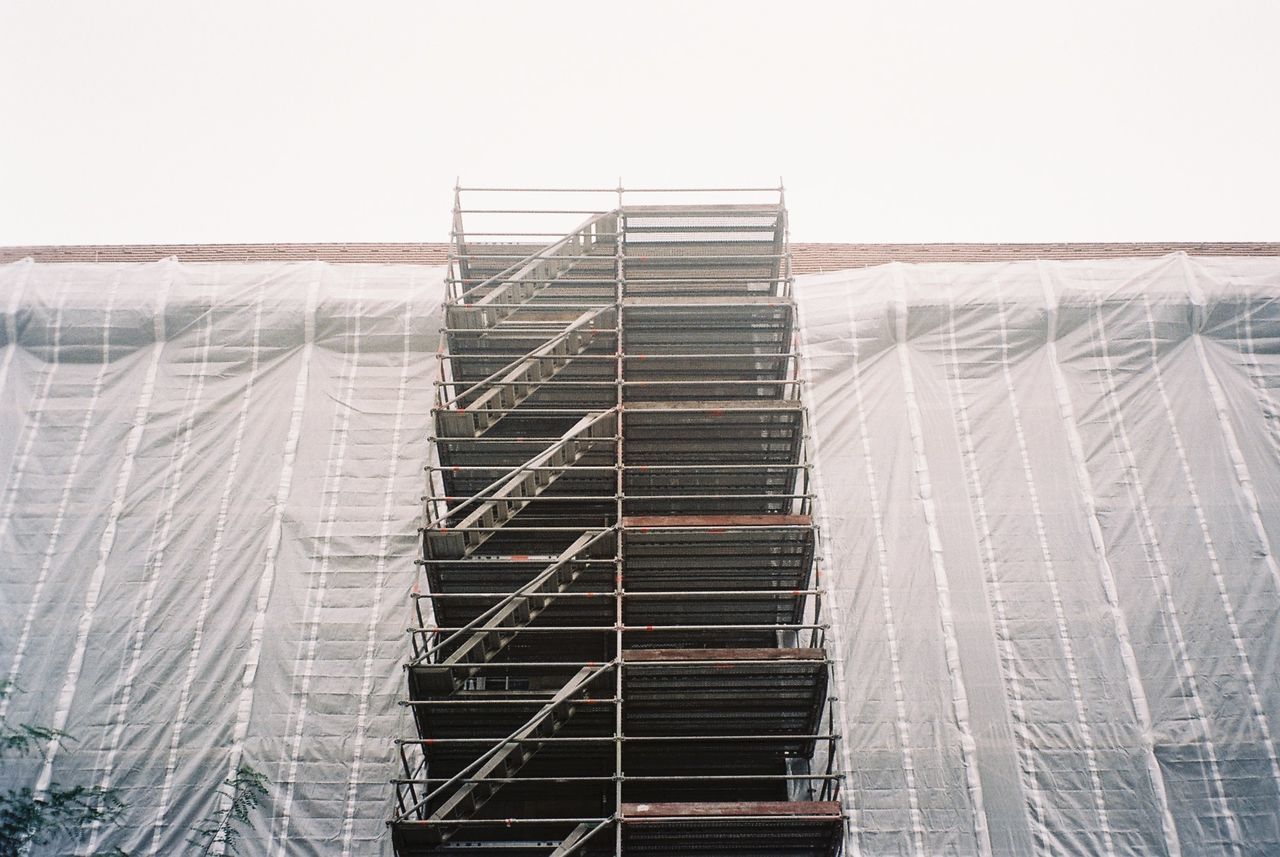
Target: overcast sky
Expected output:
[888,121]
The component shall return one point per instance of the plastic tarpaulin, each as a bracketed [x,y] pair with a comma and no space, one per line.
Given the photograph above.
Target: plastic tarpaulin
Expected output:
[1051,495]
[1047,489]
[207,532]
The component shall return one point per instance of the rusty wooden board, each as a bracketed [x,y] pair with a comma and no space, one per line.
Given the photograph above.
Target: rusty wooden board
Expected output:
[717,405]
[720,809]
[676,655]
[637,521]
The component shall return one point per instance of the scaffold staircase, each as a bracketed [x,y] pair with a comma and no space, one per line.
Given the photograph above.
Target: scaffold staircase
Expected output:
[620,647]
[502,500]
[502,623]
[502,392]
[506,758]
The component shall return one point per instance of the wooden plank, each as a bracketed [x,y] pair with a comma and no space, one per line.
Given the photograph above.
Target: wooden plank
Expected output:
[720,809]
[654,521]
[716,405]
[710,209]
[677,301]
[676,655]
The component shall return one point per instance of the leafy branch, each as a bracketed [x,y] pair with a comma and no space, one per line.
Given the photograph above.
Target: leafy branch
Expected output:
[238,796]
[29,819]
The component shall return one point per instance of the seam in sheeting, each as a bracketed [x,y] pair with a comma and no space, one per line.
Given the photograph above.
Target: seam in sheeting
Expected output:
[274,537]
[1238,465]
[1137,694]
[63,709]
[1211,550]
[1154,554]
[1008,666]
[380,572]
[902,723]
[1055,594]
[153,562]
[11,320]
[959,696]
[107,541]
[339,434]
[1266,403]
[206,593]
[15,483]
[836,648]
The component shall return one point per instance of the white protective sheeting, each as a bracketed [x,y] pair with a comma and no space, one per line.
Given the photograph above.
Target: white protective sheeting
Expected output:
[207,530]
[1050,495]
[1049,508]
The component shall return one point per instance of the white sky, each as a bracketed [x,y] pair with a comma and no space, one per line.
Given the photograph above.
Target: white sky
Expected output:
[889,121]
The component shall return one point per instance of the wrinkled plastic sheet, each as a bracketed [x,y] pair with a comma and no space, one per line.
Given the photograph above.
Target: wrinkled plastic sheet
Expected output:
[1048,496]
[210,496]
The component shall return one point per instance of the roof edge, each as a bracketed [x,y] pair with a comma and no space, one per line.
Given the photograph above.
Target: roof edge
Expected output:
[808,257]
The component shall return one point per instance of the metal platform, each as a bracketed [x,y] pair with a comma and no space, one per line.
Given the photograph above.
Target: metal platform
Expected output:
[619,647]
[759,829]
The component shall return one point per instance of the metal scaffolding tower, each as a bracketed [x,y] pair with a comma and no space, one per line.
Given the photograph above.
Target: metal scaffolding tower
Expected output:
[620,648]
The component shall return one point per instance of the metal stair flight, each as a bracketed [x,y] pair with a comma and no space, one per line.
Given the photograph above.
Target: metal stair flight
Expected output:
[516,382]
[490,633]
[511,289]
[506,496]
[486,775]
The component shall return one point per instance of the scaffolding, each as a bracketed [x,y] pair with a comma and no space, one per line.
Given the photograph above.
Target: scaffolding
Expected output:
[621,644]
